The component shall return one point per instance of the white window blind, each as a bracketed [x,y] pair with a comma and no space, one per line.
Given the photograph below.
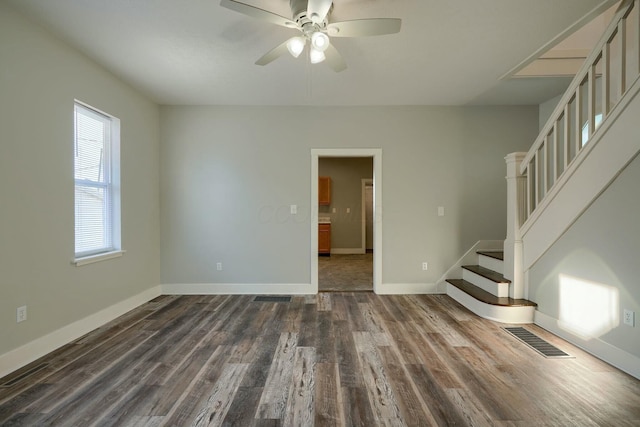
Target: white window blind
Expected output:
[94,204]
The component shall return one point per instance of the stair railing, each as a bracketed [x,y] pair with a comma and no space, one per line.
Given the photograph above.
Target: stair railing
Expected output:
[570,133]
[590,99]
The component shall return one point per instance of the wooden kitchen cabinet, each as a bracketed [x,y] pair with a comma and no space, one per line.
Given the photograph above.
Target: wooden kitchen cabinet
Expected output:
[324,190]
[324,239]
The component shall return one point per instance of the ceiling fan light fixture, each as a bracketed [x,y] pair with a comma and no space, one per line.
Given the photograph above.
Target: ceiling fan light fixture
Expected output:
[316,56]
[312,18]
[320,41]
[295,46]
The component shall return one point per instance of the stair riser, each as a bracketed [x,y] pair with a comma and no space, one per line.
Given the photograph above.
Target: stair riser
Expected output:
[491,263]
[497,289]
[513,315]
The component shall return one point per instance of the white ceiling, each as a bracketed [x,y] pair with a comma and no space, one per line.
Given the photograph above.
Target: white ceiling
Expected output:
[192,52]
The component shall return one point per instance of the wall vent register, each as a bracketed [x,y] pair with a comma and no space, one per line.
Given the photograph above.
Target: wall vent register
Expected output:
[538,344]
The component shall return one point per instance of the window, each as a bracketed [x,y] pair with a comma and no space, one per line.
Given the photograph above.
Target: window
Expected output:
[96,172]
[585,129]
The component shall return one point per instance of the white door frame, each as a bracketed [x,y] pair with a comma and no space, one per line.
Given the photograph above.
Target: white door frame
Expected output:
[376,154]
[365,182]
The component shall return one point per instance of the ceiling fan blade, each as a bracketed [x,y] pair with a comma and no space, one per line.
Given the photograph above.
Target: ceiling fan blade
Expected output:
[258,13]
[317,9]
[364,27]
[334,59]
[273,54]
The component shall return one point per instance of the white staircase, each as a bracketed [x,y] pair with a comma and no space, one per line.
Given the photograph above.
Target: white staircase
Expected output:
[484,290]
[589,138]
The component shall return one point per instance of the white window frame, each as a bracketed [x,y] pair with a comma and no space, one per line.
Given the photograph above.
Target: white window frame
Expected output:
[110,183]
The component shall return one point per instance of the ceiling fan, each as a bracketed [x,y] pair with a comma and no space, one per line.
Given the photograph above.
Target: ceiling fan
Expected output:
[311,18]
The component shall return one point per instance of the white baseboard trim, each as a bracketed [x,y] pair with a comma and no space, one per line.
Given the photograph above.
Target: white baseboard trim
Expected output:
[239,289]
[347,251]
[407,288]
[614,356]
[21,356]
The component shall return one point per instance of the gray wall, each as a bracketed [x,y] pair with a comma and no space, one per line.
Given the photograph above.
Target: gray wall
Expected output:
[346,192]
[39,79]
[600,249]
[229,175]
[546,109]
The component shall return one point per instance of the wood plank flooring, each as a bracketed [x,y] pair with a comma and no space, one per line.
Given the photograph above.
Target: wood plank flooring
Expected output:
[333,359]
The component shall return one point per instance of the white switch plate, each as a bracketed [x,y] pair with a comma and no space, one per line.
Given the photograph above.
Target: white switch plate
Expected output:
[219,266]
[440,210]
[425,266]
[21,314]
[334,210]
[629,317]
[294,209]
[348,210]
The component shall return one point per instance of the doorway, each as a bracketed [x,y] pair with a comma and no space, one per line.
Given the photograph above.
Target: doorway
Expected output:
[375,213]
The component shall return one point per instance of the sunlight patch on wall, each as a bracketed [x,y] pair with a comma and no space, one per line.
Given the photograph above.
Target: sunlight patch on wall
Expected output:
[587,309]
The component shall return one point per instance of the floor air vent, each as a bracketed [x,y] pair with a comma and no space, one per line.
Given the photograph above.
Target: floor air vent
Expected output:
[269,298]
[26,374]
[537,343]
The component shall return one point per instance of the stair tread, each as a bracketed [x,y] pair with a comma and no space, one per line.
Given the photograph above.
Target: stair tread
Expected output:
[488,298]
[493,254]
[494,276]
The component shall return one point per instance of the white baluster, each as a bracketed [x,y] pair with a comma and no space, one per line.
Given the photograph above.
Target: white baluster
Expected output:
[637,6]
[591,98]
[622,33]
[556,157]
[578,123]
[606,83]
[567,134]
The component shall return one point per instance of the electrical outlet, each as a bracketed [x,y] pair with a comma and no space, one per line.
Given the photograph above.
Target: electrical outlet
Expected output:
[219,266]
[21,314]
[425,266]
[629,317]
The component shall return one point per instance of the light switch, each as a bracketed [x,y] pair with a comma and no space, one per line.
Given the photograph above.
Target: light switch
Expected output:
[440,210]
[348,210]
[333,210]
[294,209]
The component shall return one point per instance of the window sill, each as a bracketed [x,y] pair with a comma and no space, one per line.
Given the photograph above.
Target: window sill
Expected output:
[97,258]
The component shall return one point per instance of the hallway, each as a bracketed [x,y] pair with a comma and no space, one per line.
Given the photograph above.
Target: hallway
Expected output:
[345,273]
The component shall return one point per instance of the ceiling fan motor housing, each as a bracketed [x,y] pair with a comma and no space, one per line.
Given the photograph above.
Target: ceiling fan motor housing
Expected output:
[300,16]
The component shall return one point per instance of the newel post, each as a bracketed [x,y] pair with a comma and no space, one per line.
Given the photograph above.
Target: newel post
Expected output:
[516,210]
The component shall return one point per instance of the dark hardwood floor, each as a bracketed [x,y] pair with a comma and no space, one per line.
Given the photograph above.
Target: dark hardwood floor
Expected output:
[335,359]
